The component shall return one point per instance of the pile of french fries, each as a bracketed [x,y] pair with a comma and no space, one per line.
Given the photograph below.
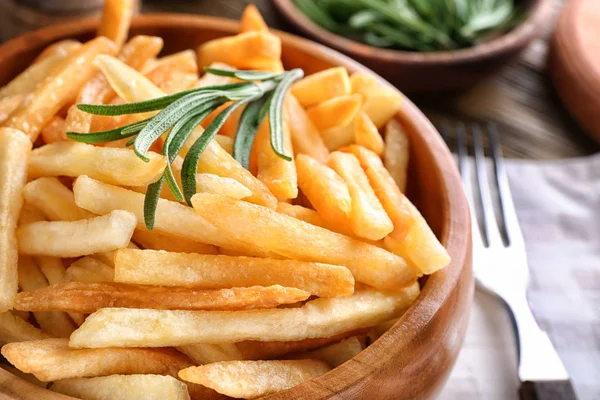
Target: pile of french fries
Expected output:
[275,275]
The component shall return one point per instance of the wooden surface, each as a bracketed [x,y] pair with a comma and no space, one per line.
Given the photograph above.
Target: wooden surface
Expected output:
[414,358]
[521,99]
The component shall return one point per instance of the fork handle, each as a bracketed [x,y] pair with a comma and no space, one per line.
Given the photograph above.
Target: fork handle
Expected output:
[547,390]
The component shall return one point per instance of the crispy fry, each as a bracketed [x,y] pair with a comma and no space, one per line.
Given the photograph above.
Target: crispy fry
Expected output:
[322,86]
[185,61]
[116,17]
[122,327]
[210,353]
[54,200]
[54,323]
[89,270]
[367,135]
[368,217]
[249,50]
[338,136]
[62,47]
[277,174]
[9,104]
[396,154]
[381,108]
[338,111]
[369,264]
[147,267]
[252,379]
[336,354]
[305,136]
[412,238]
[365,85]
[226,142]
[52,360]
[89,298]
[252,20]
[15,148]
[176,72]
[123,387]
[55,130]
[210,183]
[312,217]
[77,238]
[66,80]
[15,329]
[155,240]
[111,165]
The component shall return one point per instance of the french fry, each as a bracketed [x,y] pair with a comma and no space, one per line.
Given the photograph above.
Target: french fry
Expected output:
[338,136]
[338,111]
[322,86]
[226,142]
[381,108]
[9,104]
[109,164]
[122,327]
[209,79]
[88,298]
[66,80]
[55,130]
[248,50]
[369,264]
[368,217]
[171,218]
[325,189]
[277,174]
[252,20]
[175,73]
[200,271]
[210,353]
[62,47]
[15,148]
[123,387]
[185,61]
[252,379]
[155,240]
[305,136]
[396,154]
[53,360]
[312,217]
[15,329]
[89,270]
[55,323]
[77,238]
[367,135]
[412,238]
[210,183]
[335,354]
[54,200]
[116,17]
[365,85]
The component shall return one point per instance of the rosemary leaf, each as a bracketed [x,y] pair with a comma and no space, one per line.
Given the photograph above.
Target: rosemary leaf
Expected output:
[151,202]
[108,136]
[276,111]
[246,75]
[250,121]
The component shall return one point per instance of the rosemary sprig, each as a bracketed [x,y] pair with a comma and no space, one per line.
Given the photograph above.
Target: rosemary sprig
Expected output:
[180,113]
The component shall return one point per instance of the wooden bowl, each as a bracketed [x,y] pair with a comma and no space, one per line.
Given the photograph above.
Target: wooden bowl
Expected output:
[432,72]
[414,358]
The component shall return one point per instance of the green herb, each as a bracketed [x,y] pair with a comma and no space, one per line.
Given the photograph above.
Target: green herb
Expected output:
[415,25]
[180,113]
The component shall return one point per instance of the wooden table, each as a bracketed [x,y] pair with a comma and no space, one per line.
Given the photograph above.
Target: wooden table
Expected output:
[521,99]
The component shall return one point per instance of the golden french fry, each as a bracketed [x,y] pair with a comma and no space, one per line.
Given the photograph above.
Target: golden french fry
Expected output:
[175,73]
[122,327]
[62,47]
[148,267]
[365,85]
[210,183]
[116,17]
[312,217]
[52,360]
[252,20]
[338,111]
[89,270]
[123,387]
[226,142]
[15,148]
[55,130]
[201,353]
[305,136]
[9,104]
[90,297]
[336,354]
[185,61]
[109,164]
[54,200]
[396,154]
[367,135]
[15,329]
[54,323]
[171,218]
[77,238]
[66,80]
[412,238]
[277,174]
[368,263]
[322,86]
[381,108]
[252,379]
[248,50]
[368,217]
[338,136]
[325,189]
[155,240]
[30,214]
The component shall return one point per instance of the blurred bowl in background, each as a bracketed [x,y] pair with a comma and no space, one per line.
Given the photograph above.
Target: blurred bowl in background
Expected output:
[414,72]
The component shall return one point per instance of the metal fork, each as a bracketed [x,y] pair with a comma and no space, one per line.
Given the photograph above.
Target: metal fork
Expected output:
[500,264]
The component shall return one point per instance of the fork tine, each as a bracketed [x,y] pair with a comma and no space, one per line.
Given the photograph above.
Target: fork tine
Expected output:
[490,225]
[511,222]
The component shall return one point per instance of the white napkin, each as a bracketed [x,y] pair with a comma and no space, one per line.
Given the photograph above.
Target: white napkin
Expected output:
[558,203]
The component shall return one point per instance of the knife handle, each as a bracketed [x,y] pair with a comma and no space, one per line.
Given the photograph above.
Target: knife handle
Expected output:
[547,390]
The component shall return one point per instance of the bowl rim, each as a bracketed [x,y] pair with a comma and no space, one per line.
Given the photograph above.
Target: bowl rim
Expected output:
[455,235]
[517,37]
